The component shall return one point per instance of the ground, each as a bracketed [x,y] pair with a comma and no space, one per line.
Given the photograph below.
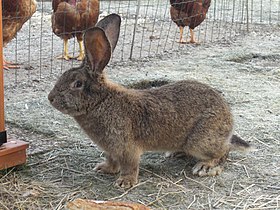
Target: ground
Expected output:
[61,157]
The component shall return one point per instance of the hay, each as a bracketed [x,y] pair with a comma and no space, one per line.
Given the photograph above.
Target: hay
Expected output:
[54,177]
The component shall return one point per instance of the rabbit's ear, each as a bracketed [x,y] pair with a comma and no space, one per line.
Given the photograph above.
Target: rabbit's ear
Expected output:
[101,40]
[98,49]
[111,25]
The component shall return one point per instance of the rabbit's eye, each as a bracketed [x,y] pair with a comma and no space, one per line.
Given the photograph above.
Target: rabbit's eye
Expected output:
[78,84]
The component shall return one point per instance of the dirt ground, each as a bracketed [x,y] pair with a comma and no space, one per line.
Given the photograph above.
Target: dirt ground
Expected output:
[61,157]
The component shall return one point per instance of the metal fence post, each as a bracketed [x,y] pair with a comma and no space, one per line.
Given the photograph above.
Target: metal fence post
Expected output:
[135,26]
[247,14]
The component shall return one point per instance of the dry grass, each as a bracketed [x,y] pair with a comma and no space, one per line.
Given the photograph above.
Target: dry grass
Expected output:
[52,178]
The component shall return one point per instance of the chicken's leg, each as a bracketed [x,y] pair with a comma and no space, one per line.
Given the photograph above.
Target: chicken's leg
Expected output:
[181,41]
[65,55]
[192,40]
[81,52]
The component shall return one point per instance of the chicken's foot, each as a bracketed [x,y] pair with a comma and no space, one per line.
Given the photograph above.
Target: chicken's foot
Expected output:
[9,65]
[65,55]
[192,40]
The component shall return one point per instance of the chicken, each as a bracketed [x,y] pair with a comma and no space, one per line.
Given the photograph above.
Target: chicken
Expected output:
[188,13]
[14,14]
[70,18]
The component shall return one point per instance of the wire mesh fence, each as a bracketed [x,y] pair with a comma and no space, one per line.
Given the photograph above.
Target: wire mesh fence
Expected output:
[147,30]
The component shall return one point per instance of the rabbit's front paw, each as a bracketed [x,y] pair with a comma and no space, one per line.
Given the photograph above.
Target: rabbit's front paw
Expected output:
[207,169]
[107,168]
[126,182]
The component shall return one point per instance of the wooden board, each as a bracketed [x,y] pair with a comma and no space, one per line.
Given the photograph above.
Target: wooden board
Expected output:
[12,153]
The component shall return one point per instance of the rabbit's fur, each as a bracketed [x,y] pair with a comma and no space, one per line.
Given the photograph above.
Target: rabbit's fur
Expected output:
[186,116]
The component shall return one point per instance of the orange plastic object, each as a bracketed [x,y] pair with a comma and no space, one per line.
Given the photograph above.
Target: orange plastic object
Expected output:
[12,153]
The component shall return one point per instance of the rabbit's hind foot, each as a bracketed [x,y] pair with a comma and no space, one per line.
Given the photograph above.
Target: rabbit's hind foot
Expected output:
[126,181]
[208,168]
[107,168]
[175,154]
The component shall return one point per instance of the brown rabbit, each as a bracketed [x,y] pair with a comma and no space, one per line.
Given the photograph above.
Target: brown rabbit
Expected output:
[186,116]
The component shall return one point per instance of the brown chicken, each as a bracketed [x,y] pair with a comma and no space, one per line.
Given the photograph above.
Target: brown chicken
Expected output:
[71,18]
[188,13]
[14,14]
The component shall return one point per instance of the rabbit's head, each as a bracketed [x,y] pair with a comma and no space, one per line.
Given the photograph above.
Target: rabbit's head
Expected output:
[76,86]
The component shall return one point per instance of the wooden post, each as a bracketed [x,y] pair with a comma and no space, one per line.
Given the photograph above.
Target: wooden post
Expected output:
[3,135]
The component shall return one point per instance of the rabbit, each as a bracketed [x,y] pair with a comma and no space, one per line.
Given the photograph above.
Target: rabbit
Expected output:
[185,116]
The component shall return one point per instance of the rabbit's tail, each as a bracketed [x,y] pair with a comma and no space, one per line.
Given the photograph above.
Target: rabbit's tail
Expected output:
[239,144]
